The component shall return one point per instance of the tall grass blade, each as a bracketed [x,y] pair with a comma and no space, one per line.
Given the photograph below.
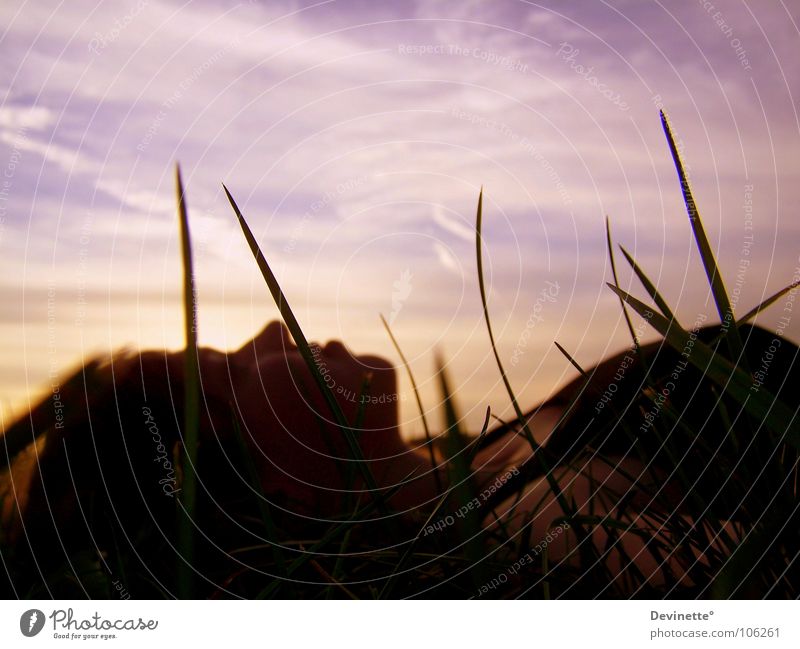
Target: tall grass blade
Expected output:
[570,359]
[191,404]
[455,441]
[540,454]
[462,485]
[303,347]
[428,438]
[479,254]
[756,400]
[651,289]
[706,253]
[752,313]
[616,283]
[477,444]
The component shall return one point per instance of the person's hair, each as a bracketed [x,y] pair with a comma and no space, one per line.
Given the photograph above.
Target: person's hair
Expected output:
[605,414]
[96,464]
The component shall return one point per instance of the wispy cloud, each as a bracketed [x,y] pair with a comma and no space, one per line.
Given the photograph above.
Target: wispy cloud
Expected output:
[451,224]
[445,257]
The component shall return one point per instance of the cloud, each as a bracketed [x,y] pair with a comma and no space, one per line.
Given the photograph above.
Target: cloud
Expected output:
[452,224]
[141,200]
[446,258]
[66,159]
[26,117]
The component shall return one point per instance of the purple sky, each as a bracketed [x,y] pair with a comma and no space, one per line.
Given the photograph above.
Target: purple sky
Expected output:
[356,136]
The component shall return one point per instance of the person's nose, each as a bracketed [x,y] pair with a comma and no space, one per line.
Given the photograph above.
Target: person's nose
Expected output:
[275,337]
[336,349]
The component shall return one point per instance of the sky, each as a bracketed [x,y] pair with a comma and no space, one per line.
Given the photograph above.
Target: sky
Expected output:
[356,137]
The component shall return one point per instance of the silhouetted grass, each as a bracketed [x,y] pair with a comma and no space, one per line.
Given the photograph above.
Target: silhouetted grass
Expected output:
[191,406]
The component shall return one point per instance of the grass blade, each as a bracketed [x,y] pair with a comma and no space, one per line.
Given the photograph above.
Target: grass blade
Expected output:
[191,405]
[540,454]
[478,243]
[775,415]
[707,255]
[455,441]
[752,313]
[303,347]
[462,486]
[428,438]
[651,289]
[570,359]
[616,283]
[478,442]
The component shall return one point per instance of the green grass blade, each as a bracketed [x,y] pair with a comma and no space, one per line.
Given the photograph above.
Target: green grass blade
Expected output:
[651,289]
[707,255]
[616,283]
[191,414]
[775,415]
[303,347]
[570,359]
[477,444]
[428,438]
[540,453]
[454,438]
[462,485]
[752,313]
[479,254]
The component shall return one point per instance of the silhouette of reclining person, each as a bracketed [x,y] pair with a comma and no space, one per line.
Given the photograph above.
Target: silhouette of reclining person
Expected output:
[108,475]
